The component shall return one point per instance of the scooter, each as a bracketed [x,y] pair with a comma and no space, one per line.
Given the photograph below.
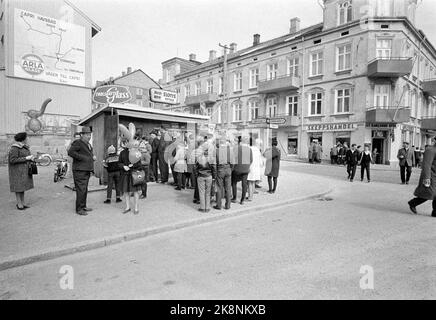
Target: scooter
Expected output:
[60,170]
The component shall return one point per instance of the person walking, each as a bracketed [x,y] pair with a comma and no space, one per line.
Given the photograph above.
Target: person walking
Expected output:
[19,159]
[365,163]
[272,167]
[83,165]
[205,168]
[180,166]
[155,156]
[224,161]
[255,173]
[243,160]
[127,187]
[352,159]
[406,157]
[111,163]
[426,190]
[146,149]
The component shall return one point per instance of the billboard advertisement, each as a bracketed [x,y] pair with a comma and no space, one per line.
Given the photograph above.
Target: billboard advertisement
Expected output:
[48,49]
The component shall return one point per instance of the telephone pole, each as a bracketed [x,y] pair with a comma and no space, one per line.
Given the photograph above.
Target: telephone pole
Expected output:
[225,102]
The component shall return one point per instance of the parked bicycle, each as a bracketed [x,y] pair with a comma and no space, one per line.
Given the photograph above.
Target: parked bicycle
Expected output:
[60,170]
[43,159]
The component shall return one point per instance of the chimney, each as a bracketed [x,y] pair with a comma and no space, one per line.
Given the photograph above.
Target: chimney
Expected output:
[123,73]
[129,70]
[233,47]
[192,57]
[295,25]
[256,39]
[212,55]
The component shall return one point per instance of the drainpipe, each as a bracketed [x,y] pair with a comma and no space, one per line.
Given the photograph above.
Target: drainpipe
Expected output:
[303,75]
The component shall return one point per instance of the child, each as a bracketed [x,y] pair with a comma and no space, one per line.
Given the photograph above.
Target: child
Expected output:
[111,163]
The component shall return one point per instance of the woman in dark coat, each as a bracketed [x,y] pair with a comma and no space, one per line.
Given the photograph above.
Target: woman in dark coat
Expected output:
[19,159]
[126,184]
[272,166]
[426,189]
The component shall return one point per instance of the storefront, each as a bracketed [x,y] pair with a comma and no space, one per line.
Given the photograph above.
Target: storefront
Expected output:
[104,125]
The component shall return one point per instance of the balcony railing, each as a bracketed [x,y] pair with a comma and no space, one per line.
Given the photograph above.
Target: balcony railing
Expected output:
[428,123]
[390,67]
[429,87]
[390,114]
[204,97]
[288,82]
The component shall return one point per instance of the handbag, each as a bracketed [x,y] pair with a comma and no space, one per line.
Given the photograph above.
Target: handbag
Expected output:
[138,177]
[33,169]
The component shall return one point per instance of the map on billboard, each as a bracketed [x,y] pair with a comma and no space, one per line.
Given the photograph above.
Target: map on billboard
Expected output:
[48,49]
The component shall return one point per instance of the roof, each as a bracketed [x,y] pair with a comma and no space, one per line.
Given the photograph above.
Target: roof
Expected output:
[182,59]
[133,110]
[128,74]
[95,27]
[317,28]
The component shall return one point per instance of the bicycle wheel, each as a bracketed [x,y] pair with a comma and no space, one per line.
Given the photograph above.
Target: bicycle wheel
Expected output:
[44,161]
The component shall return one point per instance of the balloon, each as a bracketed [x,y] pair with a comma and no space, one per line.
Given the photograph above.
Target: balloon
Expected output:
[134,155]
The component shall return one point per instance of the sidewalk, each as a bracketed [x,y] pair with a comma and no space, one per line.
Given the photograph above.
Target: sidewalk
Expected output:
[50,228]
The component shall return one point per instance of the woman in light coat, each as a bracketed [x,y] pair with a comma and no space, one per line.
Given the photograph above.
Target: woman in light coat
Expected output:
[180,166]
[255,169]
[19,159]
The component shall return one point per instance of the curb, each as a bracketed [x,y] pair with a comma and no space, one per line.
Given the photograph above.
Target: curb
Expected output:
[57,252]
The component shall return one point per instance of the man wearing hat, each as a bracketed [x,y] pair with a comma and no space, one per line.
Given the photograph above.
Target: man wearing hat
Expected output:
[83,164]
[426,190]
[406,156]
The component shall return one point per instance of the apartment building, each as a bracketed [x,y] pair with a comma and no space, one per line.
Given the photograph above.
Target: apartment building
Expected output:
[365,75]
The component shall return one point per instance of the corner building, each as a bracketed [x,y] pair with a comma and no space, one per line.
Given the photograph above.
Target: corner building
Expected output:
[366,75]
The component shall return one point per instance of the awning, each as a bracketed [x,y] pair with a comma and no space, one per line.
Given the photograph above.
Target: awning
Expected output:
[158,117]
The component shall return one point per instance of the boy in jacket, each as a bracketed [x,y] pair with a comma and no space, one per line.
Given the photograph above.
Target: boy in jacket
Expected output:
[111,163]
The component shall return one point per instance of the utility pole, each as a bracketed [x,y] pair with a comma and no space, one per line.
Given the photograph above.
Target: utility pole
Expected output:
[225,102]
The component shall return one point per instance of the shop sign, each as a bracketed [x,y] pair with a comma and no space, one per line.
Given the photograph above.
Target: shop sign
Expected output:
[276,121]
[331,127]
[273,126]
[111,94]
[258,121]
[163,96]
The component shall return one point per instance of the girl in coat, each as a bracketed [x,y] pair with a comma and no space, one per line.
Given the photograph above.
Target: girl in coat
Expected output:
[18,162]
[272,167]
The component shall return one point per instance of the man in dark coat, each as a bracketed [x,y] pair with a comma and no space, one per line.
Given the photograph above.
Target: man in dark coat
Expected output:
[406,156]
[272,166]
[155,156]
[152,176]
[426,189]
[243,159]
[352,158]
[164,142]
[83,165]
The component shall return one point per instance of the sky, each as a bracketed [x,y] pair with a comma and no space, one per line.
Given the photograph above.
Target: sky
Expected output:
[143,33]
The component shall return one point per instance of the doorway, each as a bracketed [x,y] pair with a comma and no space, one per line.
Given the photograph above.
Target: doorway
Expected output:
[378,144]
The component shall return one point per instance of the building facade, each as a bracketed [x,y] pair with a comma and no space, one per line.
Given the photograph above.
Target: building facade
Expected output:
[365,75]
[45,52]
[138,84]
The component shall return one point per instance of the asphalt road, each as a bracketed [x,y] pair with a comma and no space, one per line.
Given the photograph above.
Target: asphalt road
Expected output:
[311,250]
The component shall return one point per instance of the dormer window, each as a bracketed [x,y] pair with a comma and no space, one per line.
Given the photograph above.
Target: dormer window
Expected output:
[345,12]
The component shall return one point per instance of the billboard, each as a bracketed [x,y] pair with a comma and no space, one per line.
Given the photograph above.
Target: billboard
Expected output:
[163,96]
[48,49]
[111,94]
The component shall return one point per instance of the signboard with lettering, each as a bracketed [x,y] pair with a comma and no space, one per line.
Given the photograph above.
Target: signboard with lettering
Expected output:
[111,94]
[331,127]
[276,121]
[163,96]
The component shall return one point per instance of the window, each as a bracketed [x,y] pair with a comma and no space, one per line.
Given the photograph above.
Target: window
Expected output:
[237,111]
[139,92]
[293,65]
[197,111]
[218,113]
[253,107]
[254,78]
[343,57]
[343,100]
[237,85]
[384,48]
[381,95]
[209,112]
[315,102]
[413,103]
[271,107]
[345,14]
[316,64]
[220,85]
[210,86]
[178,95]
[187,90]
[383,8]
[292,105]
[198,88]
[271,71]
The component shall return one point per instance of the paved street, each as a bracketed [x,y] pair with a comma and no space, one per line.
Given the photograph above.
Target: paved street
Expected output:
[313,249]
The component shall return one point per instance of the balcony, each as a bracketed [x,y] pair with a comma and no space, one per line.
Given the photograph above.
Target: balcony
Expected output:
[388,115]
[390,67]
[278,84]
[201,98]
[429,87]
[428,123]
